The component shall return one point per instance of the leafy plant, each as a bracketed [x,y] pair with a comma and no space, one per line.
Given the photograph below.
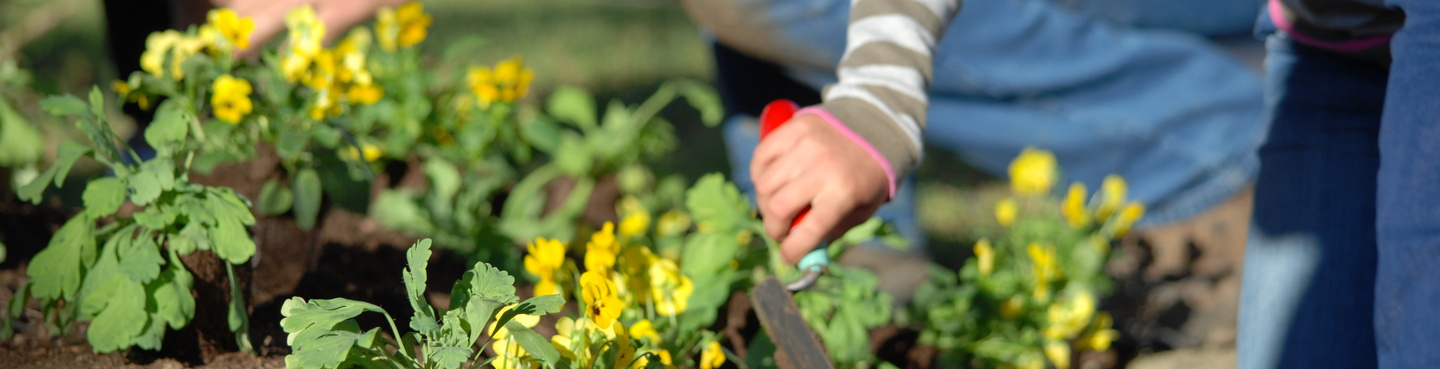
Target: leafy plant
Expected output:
[1029,297]
[324,334]
[125,276]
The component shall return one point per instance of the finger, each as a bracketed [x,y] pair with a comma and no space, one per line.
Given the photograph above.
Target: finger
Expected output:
[777,145]
[825,215]
[781,209]
[783,172]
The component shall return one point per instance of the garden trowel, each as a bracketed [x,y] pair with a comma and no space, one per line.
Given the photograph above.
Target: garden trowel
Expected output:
[796,346]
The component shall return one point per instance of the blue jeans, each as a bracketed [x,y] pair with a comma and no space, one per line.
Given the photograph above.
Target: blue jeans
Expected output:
[1177,117]
[1343,270]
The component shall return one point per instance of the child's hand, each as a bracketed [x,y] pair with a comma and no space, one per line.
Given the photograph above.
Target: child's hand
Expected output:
[809,163]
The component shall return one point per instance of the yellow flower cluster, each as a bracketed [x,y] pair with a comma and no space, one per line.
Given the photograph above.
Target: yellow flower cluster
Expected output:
[509,81]
[166,51]
[367,151]
[1045,269]
[337,76]
[403,27]
[231,98]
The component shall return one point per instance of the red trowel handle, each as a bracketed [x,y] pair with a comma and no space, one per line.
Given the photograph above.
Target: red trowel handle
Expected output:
[776,113]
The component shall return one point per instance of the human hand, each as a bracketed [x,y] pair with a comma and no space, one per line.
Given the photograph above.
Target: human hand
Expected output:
[808,163]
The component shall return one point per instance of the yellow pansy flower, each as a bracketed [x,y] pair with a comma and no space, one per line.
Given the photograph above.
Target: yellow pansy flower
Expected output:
[634,225]
[127,92]
[985,256]
[1099,337]
[544,259]
[306,31]
[365,94]
[1033,172]
[1128,216]
[1072,208]
[1112,196]
[565,329]
[1059,354]
[670,289]
[1010,308]
[169,44]
[368,152]
[664,356]
[672,223]
[234,29]
[601,304]
[634,266]
[403,27]
[1005,212]
[230,98]
[508,82]
[1043,265]
[624,349]
[1069,316]
[602,249]
[645,330]
[712,357]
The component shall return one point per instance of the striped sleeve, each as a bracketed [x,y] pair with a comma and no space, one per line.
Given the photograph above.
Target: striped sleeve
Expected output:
[884,76]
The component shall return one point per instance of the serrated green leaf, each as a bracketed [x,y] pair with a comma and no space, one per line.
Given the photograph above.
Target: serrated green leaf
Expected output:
[534,344]
[306,185]
[575,157]
[169,128]
[55,272]
[573,105]
[540,305]
[418,258]
[543,134]
[122,319]
[493,283]
[65,157]
[193,236]
[32,191]
[154,177]
[103,196]
[275,199]
[91,296]
[152,336]
[62,105]
[321,332]
[707,253]
[155,217]
[225,204]
[717,205]
[171,294]
[141,259]
[451,357]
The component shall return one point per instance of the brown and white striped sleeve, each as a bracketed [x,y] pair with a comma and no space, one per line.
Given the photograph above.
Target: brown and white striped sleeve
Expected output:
[884,77]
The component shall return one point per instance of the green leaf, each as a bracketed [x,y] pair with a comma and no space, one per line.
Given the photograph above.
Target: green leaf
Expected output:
[717,205]
[55,272]
[103,196]
[321,332]
[65,158]
[123,317]
[192,236]
[396,210]
[707,253]
[542,133]
[307,197]
[451,357]
[169,128]
[62,105]
[418,258]
[326,135]
[154,177]
[291,143]
[576,159]
[97,101]
[574,105]
[231,242]
[141,259]
[533,343]
[156,217]
[274,198]
[171,295]
[705,99]
[444,184]
[540,305]
[20,142]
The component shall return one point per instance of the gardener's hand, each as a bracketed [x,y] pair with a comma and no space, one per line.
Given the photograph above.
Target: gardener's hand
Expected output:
[809,163]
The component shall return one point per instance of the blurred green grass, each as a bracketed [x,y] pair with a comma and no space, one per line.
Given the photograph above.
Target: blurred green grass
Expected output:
[618,49]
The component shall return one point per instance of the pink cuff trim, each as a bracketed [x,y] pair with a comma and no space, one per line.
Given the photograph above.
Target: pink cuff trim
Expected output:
[1277,15]
[875,154]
